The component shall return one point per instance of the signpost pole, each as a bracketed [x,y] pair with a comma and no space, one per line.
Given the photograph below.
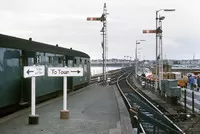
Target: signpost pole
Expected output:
[64,114]
[32,72]
[65,93]
[33,96]
[33,118]
[64,72]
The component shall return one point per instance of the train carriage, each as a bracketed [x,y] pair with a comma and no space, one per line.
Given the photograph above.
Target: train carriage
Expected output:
[15,53]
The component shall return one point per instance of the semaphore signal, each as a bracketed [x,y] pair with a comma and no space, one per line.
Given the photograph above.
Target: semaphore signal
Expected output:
[104,33]
[93,18]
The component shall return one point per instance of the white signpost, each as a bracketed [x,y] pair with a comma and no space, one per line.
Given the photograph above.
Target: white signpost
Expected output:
[33,71]
[64,72]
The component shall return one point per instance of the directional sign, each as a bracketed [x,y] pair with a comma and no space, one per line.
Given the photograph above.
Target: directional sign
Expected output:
[32,71]
[65,71]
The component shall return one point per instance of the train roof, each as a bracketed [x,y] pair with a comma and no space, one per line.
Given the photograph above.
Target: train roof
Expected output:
[18,43]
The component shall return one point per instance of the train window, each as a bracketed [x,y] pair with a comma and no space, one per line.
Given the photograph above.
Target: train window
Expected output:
[75,61]
[38,59]
[70,63]
[30,61]
[43,59]
[85,61]
[55,59]
[85,68]
[60,59]
[14,62]
[50,59]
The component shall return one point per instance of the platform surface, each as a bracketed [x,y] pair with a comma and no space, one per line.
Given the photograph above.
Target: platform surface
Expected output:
[94,109]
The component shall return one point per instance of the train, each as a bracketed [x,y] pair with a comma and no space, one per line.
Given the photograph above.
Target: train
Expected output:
[15,53]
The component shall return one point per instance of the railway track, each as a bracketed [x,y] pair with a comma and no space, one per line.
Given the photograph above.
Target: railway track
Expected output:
[146,116]
[112,75]
[188,121]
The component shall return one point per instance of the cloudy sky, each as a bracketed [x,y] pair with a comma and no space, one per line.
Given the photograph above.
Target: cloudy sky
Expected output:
[64,22]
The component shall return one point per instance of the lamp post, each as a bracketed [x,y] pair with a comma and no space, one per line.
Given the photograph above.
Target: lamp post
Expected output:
[167,10]
[130,61]
[124,61]
[127,60]
[136,60]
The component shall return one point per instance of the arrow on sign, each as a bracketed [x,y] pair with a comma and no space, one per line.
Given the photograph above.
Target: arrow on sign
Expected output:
[76,71]
[28,71]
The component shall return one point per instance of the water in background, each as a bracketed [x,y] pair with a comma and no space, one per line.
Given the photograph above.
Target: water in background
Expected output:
[99,70]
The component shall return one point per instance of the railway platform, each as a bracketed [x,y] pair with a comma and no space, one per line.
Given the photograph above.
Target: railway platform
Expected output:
[94,109]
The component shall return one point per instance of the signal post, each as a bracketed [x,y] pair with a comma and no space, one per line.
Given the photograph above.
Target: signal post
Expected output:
[104,42]
[154,32]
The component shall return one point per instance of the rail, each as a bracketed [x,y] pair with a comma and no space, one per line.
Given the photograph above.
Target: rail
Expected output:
[99,78]
[129,107]
[123,95]
[155,107]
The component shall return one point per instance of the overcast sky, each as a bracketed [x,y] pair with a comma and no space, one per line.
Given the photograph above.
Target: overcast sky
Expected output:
[63,22]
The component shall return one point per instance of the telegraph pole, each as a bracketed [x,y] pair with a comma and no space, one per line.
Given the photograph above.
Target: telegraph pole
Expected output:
[105,39]
[104,42]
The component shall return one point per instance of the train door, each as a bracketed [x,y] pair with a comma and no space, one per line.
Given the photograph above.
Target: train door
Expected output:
[10,78]
[27,59]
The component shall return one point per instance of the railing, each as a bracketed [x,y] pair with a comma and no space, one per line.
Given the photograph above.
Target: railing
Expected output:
[190,99]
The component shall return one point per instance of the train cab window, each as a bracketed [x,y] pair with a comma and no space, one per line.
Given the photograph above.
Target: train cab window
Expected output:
[75,61]
[85,61]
